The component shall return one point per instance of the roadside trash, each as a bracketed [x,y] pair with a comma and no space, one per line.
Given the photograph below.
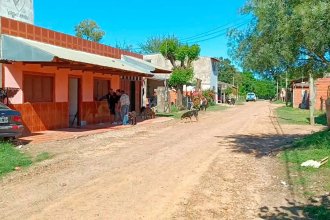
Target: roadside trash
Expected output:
[17,168]
[284,183]
[315,164]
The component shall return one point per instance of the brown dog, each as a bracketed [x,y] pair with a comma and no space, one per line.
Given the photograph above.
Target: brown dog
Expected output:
[132,117]
[150,113]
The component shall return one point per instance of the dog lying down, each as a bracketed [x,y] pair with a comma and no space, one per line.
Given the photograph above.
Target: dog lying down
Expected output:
[190,114]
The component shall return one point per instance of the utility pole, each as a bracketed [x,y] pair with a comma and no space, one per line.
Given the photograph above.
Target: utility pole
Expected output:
[286,80]
[277,89]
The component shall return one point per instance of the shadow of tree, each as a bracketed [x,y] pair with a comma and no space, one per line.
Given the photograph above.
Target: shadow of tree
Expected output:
[259,145]
[318,209]
[321,119]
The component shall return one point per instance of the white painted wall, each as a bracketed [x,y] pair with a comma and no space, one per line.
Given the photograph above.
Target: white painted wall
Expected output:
[204,69]
[21,10]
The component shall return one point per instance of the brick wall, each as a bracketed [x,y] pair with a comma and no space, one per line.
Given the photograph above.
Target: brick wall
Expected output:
[28,31]
[321,85]
[43,116]
[321,92]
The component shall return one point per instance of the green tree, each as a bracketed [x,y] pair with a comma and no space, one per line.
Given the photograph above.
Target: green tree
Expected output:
[183,54]
[89,30]
[181,76]
[152,45]
[226,71]
[263,88]
[284,36]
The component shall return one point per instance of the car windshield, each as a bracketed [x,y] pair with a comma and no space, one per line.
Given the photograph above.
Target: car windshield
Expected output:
[3,106]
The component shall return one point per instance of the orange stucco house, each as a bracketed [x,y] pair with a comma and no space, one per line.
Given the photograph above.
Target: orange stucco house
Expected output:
[55,79]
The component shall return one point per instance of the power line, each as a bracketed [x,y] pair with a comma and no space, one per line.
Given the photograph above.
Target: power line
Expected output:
[215,30]
[223,32]
[219,33]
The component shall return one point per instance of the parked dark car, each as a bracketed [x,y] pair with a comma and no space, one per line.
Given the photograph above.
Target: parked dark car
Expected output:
[10,122]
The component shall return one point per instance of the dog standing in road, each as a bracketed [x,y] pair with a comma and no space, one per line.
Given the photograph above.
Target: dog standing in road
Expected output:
[190,114]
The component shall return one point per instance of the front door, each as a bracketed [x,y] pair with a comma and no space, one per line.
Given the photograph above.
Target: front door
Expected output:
[74,88]
[132,95]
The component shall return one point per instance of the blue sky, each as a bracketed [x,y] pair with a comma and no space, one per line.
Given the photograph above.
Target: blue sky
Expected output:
[134,21]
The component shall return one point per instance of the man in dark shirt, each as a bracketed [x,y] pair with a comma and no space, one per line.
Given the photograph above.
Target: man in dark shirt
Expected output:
[112,99]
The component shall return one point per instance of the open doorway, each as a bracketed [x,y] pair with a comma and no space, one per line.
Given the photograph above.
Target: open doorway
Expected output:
[74,102]
[132,95]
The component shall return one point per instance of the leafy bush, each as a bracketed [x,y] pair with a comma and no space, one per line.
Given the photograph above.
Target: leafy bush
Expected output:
[181,76]
[210,96]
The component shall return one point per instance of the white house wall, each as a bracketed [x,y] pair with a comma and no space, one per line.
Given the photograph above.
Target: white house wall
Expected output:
[204,69]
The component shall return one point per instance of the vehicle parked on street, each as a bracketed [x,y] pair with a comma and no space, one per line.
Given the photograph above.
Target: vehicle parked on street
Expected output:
[251,97]
[10,122]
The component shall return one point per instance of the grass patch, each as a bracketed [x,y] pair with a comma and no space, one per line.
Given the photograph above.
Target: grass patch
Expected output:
[289,115]
[278,102]
[311,180]
[176,114]
[216,108]
[42,156]
[11,158]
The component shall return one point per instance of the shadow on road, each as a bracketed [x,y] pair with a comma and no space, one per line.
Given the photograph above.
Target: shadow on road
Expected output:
[317,209]
[258,145]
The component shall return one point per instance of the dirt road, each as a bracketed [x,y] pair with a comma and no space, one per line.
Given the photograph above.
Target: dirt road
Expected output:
[215,168]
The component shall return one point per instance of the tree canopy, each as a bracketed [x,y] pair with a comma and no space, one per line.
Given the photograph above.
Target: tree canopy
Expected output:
[227,72]
[174,51]
[89,30]
[284,35]
[263,88]
[152,45]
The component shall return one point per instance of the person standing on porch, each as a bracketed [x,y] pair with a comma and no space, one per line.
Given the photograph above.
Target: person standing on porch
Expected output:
[124,104]
[118,119]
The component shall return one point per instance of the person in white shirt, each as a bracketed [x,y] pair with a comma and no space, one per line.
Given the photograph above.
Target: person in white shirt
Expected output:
[124,104]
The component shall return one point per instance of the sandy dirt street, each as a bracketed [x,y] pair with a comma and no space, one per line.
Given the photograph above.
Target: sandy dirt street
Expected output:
[217,168]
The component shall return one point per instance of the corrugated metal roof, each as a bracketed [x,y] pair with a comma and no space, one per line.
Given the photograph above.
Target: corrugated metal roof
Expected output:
[146,65]
[21,49]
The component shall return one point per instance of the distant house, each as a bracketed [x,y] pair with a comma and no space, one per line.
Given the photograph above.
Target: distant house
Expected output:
[222,87]
[300,93]
[205,69]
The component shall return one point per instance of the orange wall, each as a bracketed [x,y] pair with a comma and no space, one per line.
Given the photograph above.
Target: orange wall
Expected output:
[14,78]
[61,92]
[321,85]
[321,92]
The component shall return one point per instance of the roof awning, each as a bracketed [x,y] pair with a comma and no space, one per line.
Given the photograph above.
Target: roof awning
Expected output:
[29,51]
[146,65]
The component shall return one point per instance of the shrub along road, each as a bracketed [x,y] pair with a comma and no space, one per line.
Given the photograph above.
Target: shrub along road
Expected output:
[218,168]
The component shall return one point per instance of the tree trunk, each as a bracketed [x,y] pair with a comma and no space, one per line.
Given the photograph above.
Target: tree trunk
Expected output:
[311,99]
[179,97]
